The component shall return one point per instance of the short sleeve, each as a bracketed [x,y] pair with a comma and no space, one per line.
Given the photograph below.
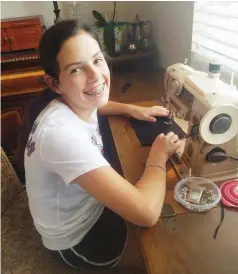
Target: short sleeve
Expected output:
[69,153]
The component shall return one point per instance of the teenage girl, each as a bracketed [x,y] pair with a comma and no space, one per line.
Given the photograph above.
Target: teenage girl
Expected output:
[78,202]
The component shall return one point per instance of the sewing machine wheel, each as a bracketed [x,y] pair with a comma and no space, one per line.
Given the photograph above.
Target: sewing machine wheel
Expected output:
[218,124]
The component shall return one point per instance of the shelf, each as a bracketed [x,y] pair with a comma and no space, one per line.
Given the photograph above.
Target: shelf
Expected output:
[130,56]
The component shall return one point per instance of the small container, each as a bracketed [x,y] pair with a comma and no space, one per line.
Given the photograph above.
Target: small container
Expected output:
[214,69]
[201,182]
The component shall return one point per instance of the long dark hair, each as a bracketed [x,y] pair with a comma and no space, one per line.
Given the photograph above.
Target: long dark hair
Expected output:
[50,45]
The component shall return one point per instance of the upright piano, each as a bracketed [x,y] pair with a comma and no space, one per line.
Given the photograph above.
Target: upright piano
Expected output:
[21,76]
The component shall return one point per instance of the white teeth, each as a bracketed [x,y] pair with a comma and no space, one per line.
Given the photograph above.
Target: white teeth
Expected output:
[97,92]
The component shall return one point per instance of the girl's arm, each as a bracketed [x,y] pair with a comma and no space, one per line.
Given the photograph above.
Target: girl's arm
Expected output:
[114,108]
[140,113]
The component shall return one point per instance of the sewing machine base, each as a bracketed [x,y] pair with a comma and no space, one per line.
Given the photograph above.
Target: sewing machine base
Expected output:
[179,166]
[182,171]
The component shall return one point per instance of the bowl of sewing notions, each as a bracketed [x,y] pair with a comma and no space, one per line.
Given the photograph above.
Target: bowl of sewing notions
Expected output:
[197,194]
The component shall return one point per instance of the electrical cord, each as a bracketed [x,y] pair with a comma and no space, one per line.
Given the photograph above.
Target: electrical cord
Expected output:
[233,158]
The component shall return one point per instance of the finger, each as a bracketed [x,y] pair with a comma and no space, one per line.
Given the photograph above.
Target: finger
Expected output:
[161,135]
[163,112]
[160,111]
[177,145]
[161,107]
[174,138]
[169,135]
[150,119]
[158,107]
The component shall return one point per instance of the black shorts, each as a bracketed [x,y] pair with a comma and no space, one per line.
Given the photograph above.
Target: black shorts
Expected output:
[102,247]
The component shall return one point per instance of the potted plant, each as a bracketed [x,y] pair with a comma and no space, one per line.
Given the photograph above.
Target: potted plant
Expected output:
[110,33]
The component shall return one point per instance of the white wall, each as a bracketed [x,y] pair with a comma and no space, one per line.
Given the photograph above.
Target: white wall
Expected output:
[171,24]
[31,8]
[171,21]
[124,10]
[172,29]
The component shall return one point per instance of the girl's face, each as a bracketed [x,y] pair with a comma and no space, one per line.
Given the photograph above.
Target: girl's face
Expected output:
[84,78]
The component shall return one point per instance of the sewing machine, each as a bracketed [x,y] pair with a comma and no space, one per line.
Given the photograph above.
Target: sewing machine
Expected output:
[207,110]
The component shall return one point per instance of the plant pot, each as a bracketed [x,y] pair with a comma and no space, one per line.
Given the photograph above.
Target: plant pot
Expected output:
[111,38]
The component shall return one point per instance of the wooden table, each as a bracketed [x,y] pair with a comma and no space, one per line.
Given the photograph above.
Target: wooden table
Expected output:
[191,249]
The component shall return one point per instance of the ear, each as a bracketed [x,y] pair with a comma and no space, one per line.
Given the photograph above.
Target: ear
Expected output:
[52,83]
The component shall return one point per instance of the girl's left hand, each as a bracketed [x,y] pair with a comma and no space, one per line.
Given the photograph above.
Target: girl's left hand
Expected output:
[148,113]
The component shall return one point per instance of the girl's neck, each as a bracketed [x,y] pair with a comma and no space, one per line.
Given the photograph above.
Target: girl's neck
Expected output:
[83,114]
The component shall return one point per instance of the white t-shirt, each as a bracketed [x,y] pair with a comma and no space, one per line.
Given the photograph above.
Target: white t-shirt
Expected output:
[60,148]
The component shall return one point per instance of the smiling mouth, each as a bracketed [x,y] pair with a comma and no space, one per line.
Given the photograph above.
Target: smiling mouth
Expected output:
[96,91]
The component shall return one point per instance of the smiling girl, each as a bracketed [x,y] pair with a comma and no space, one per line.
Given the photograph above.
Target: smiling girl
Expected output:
[78,202]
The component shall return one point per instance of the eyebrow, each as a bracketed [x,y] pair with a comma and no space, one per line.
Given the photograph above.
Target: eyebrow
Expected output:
[80,63]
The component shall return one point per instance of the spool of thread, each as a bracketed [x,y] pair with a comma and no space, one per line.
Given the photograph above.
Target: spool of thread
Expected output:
[214,69]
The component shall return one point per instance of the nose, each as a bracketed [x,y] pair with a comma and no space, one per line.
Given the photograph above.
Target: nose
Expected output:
[93,73]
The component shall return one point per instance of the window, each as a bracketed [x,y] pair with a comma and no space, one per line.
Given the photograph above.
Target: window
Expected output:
[215,36]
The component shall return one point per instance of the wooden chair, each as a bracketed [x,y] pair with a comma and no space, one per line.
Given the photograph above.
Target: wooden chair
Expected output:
[11,123]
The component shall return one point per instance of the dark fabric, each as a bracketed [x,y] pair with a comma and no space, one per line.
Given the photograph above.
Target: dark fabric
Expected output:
[146,132]
[102,246]
[109,147]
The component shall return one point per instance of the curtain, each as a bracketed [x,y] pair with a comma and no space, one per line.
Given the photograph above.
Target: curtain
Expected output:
[215,37]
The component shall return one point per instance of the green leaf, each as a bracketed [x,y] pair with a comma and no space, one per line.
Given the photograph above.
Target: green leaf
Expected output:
[109,38]
[102,21]
[97,24]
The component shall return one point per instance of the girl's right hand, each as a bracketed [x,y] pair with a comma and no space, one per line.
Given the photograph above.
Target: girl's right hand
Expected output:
[163,148]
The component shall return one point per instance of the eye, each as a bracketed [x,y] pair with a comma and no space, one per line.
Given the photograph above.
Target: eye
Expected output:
[76,70]
[98,60]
